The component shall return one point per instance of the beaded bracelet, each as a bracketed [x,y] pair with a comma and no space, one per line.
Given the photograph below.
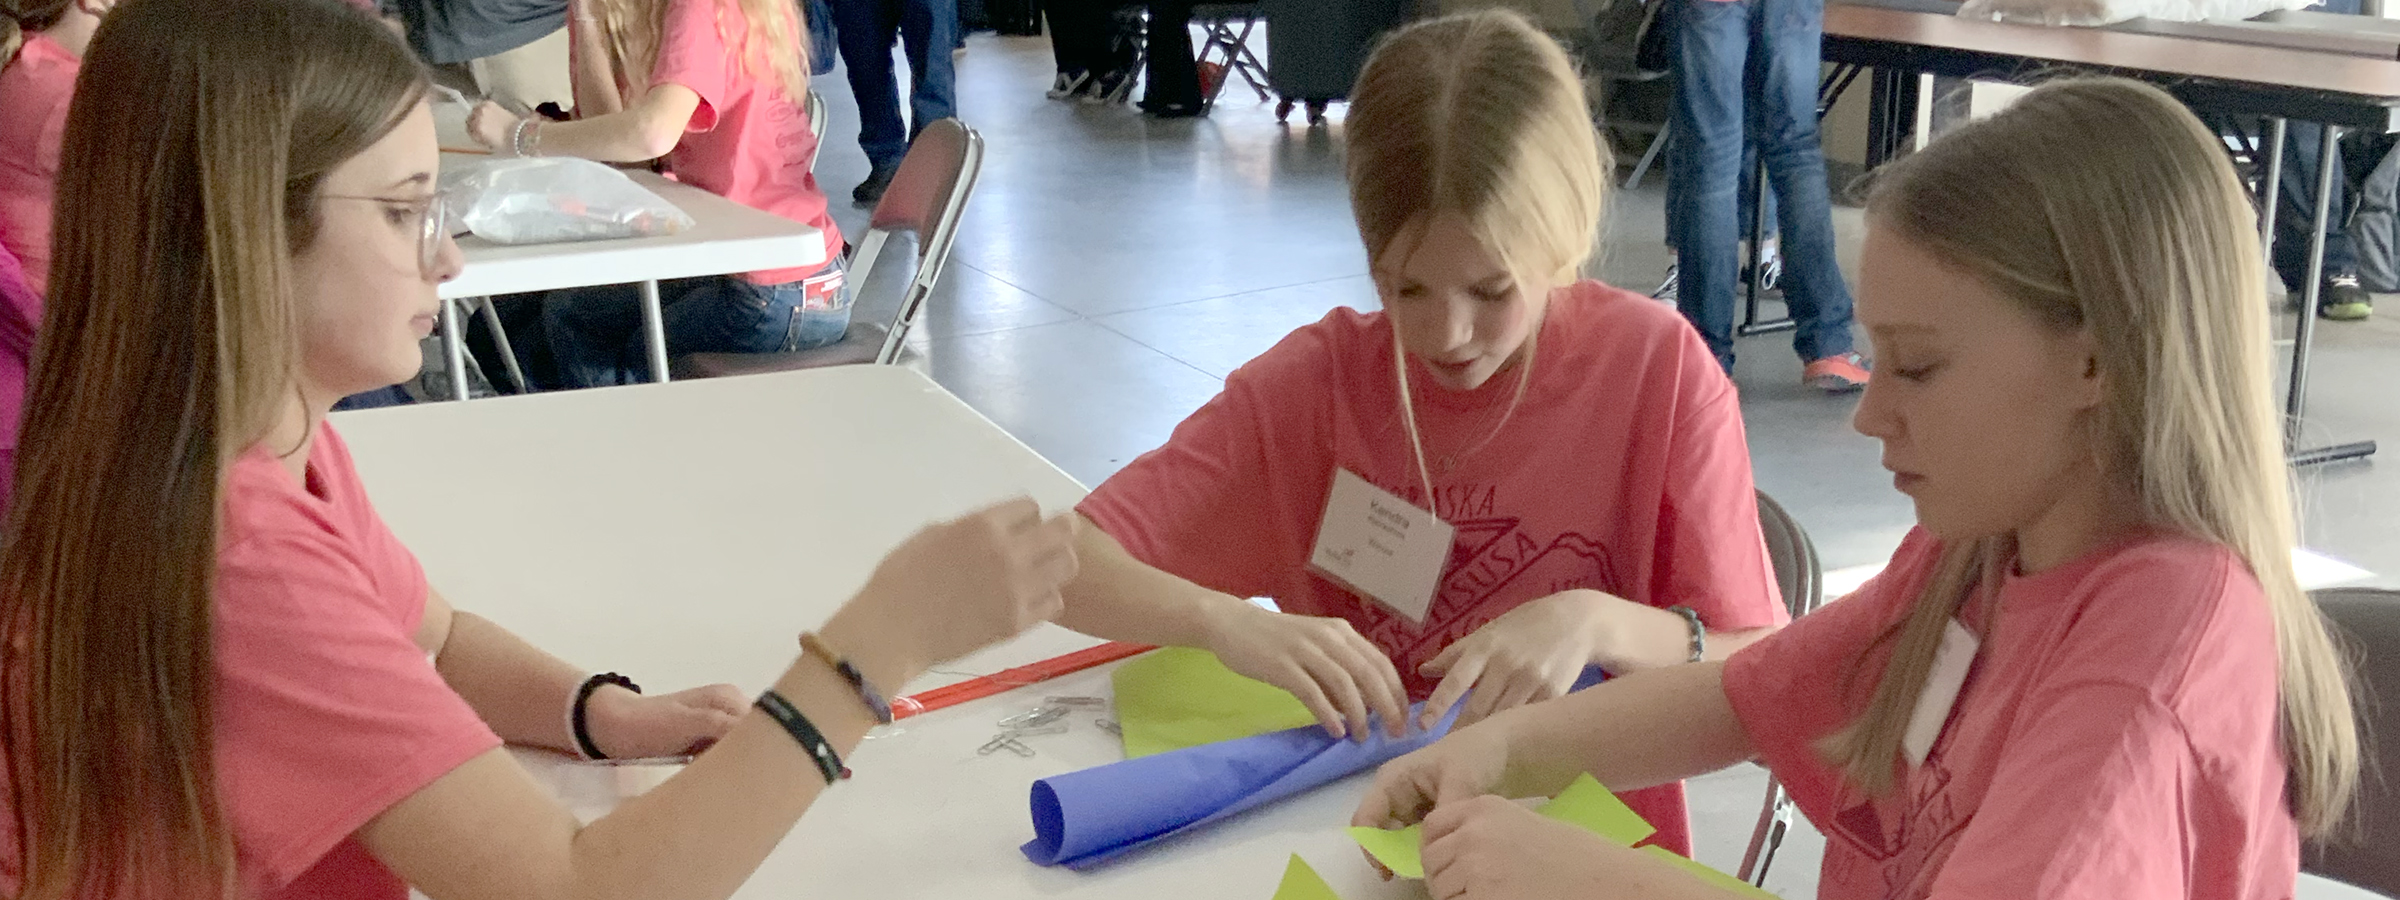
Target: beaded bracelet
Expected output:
[1699,633]
[579,724]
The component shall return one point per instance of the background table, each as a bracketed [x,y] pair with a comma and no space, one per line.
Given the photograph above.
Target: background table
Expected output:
[1900,39]
[686,533]
[725,238]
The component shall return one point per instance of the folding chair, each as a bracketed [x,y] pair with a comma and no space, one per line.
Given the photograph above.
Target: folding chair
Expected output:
[1800,575]
[815,107]
[925,199]
[1232,44]
[2368,620]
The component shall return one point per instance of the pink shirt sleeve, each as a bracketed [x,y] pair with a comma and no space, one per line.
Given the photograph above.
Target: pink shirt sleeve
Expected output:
[1711,556]
[693,54]
[328,712]
[1208,506]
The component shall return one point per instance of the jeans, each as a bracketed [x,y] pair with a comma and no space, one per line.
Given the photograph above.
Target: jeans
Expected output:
[866,29]
[2296,215]
[1749,67]
[1744,197]
[593,336]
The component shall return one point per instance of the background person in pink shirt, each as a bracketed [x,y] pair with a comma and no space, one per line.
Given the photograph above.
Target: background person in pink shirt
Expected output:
[1579,438]
[41,45]
[2089,673]
[715,87]
[220,674]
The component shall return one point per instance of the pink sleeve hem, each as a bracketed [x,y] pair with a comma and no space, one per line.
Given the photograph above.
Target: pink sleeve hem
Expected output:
[441,756]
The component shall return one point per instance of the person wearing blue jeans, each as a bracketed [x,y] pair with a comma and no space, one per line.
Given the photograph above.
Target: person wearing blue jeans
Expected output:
[866,29]
[1748,68]
[2340,296]
[592,337]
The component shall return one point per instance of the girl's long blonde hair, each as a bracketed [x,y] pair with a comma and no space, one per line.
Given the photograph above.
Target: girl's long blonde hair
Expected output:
[2103,205]
[169,344]
[762,35]
[1483,115]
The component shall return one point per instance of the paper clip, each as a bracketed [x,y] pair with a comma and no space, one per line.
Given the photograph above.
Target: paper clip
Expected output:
[1038,716]
[1074,701]
[1006,742]
[1110,726]
[1053,728]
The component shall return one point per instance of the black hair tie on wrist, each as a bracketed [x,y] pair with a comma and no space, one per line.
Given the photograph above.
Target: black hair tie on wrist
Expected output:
[579,722]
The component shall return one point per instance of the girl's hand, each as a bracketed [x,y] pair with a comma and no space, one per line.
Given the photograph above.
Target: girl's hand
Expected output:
[954,588]
[627,725]
[1489,847]
[1530,654]
[1336,673]
[1468,763]
[493,127]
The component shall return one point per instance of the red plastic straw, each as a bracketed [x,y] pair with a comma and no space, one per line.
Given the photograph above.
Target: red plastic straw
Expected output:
[1010,679]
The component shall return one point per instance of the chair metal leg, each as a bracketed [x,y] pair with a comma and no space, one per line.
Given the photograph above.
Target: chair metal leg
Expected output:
[1774,821]
[2270,191]
[2295,399]
[454,349]
[654,327]
[1649,156]
[508,351]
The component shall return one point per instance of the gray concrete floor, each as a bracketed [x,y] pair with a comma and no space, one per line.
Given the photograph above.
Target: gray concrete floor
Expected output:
[1112,269]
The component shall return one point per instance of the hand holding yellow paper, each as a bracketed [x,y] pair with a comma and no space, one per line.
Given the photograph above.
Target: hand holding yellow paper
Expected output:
[1586,804]
[1181,697]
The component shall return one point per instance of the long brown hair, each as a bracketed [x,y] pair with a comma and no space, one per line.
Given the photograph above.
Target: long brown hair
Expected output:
[20,16]
[170,345]
[2103,205]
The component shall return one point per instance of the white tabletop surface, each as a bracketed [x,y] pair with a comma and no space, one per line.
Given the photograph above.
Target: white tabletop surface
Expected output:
[726,238]
[684,533]
[2315,888]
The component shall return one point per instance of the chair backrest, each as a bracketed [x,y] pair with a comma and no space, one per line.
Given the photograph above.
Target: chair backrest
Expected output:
[926,197]
[2368,621]
[815,107]
[1798,572]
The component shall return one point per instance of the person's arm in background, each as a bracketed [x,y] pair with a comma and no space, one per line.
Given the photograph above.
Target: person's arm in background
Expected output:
[592,66]
[644,131]
[523,693]
[1324,662]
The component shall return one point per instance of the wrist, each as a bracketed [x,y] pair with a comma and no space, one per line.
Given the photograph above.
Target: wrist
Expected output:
[1220,618]
[881,653]
[1605,629]
[605,714]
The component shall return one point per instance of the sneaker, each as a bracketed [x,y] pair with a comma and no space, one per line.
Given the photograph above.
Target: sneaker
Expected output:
[1068,84]
[870,191]
[1110,87]
[1837,374]
[2343,300]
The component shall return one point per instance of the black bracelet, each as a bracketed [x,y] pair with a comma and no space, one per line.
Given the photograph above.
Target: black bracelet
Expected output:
[1699,632]
[579,723]
[820,750]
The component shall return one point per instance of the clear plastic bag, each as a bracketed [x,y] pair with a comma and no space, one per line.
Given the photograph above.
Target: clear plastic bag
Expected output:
[552,199]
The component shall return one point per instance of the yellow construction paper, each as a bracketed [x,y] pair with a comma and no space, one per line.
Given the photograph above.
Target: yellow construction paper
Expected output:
[1399,849]
[1585,804]
[1181,697]
[1598,811]
[1302,883]
[1709,875]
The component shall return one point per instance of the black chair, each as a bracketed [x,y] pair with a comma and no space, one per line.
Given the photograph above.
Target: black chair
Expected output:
[2368,621]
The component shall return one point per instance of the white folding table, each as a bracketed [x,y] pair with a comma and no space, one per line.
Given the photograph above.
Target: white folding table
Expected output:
[726,238]
[686,533]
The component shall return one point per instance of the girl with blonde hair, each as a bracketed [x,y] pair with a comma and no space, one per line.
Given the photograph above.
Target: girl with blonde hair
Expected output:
[1565,458]
[717,88]
[220,674]
[2089,671]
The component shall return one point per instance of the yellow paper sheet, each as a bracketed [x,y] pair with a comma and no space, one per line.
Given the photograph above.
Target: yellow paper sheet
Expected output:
[1302,883]
[1398,849]
[1181,697]
[1585,804]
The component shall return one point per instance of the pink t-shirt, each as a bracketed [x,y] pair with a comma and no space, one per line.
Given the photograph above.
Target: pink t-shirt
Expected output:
[34,89]
[328,712]
[1623,470]
[747,142]
[20,314]
[2116,736]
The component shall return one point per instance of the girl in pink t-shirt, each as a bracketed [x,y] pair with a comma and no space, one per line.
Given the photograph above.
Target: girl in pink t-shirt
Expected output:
[2089,672]
[716,88]
[41,45]
[220,674]
[1571,449]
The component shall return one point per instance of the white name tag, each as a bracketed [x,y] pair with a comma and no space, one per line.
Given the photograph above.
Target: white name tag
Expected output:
[1380,545]
[1949,675]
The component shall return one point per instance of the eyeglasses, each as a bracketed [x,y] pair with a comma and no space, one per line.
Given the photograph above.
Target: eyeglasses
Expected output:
[432,213]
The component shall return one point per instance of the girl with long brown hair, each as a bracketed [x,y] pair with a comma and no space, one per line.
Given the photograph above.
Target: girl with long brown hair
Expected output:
[716,88]
[2089,672]
[220,675]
